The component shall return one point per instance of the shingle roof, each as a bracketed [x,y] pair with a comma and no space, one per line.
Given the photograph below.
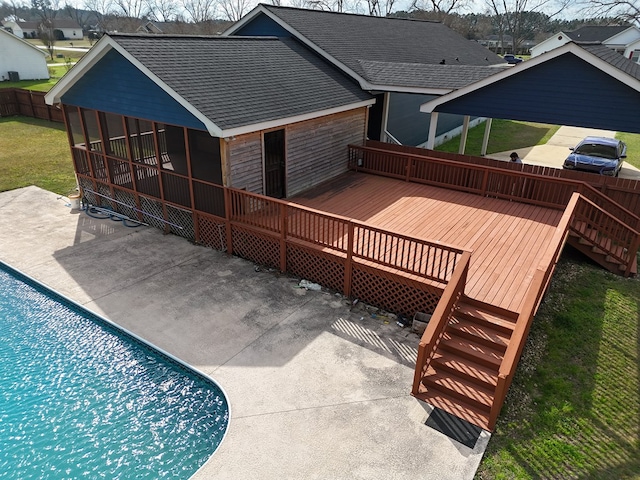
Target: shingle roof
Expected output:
[239,81]
[427,76]
[595,33]
[352,39]
[614,59]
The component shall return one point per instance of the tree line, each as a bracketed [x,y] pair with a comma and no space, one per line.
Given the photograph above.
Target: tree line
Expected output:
[520,20]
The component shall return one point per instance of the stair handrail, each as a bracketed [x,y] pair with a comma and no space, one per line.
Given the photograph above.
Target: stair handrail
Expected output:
[627,217]
[538,286]
[631,246]
[440,317]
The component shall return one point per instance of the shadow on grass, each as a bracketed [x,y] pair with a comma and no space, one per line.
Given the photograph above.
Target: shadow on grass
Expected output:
[573,410]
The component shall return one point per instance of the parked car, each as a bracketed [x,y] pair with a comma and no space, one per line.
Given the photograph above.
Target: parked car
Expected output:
[512,59]
[597,154]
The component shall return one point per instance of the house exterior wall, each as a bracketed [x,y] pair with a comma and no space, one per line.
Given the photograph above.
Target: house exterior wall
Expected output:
[553,85]
[623,38]
[17,56]
[245,162]
[71,33]
[632,51]
[549,44]
[316,151]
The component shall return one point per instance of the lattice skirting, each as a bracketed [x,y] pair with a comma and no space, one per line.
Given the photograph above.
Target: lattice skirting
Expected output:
[393,292]
[319,267]
[127,203]
[258,248]
[212,232]
[183,218]
[152,207]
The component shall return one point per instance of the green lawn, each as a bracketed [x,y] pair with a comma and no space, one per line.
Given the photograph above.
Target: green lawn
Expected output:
[35,152]
[505,135]
[633,147]
[573,410]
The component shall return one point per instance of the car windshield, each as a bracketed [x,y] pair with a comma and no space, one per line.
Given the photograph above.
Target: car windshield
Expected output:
[596,150]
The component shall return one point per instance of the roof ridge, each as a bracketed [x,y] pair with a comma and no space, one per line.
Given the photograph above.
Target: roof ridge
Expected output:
[188,36]
[328,12]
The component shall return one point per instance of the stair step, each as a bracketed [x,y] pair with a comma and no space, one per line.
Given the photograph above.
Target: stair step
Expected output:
[460,388]
[480,315]
[480,374]
[482,354]
[480,332]
[454,406]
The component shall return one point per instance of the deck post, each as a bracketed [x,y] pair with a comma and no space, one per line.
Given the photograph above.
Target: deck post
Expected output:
[632,255]
[227,214]
[283,237]
[463,135]
[485,139]
[348,266]
[433,125]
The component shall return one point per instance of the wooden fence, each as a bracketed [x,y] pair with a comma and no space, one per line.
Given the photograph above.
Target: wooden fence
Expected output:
[17,101]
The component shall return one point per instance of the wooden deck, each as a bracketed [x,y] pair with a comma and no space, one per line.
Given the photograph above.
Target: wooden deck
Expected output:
[506,238]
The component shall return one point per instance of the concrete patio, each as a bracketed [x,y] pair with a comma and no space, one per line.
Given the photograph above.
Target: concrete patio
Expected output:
[318,388]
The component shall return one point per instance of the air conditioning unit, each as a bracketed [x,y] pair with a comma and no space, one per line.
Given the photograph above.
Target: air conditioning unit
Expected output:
[14,76]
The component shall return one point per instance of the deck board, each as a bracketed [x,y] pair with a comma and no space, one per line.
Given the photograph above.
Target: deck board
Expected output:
[507,238]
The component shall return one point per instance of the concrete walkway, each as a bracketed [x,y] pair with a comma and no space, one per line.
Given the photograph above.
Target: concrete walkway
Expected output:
[318,389]
[553,153]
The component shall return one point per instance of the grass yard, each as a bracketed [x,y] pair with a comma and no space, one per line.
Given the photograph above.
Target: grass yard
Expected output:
[35,152]
[633,147]
[573,410]
[505,135]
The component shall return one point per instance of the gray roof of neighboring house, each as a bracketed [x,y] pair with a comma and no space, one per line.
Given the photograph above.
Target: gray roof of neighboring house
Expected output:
[613,58]
[238,81]
[353,39]
[428,76]
[595,33]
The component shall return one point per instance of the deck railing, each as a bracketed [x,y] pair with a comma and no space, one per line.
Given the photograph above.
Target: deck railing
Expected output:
[486,181]
[388,250]
[537,288]
[440,319]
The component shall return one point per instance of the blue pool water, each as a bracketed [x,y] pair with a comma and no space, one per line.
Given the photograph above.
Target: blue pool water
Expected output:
[81,399]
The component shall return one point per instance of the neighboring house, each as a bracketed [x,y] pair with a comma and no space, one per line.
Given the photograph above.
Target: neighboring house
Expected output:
[64,29]
[403,62]
[622,39]
[171,118]
[22,29]
[21,57]
[67,29]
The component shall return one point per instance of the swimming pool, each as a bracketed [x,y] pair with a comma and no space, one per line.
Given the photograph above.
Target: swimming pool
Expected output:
[80,398]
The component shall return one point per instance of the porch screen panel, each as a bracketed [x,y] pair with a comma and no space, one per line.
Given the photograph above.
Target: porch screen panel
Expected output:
[75,126]
[115,135]
[147,180]
[143,148]
[204,151]
[209,198]
[93,130]
[172,148]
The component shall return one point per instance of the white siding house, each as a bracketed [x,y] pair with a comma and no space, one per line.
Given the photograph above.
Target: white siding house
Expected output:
[16,55]
[624,40]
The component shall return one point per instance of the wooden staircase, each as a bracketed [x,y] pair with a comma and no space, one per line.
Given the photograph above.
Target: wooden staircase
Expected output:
[600,249]
[462,376]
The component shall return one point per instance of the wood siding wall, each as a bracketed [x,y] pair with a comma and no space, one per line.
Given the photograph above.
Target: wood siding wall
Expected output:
[245,162]
[317,149]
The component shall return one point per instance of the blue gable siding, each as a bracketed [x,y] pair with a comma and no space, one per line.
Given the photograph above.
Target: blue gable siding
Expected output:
[562,91]
[262,26]
[114,85]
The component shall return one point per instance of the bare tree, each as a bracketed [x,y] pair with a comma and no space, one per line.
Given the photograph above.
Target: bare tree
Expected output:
[131,8]
[380,8]
[509,16]
[200,10]
[441,8]
[621,10]
[234,10]
[164,10]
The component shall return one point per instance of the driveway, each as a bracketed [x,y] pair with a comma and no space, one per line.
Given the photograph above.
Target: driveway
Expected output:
[557,148]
